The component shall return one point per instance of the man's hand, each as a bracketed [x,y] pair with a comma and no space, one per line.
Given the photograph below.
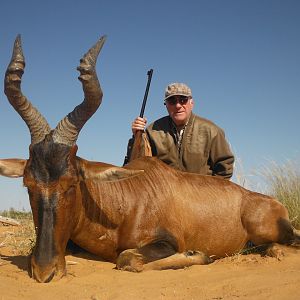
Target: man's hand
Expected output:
[138,124]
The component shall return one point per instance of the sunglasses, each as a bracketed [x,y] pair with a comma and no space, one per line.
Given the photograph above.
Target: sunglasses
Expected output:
[182,100]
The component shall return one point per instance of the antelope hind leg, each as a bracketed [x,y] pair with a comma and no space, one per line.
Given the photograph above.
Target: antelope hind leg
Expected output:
[132,260]
[179,261]
[279,251]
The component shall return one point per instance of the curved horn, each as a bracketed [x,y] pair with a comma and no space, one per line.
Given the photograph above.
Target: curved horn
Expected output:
[67,130]
[36,123]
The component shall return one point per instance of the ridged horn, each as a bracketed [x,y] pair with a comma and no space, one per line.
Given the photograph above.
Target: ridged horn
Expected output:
[36,123]
[67,130]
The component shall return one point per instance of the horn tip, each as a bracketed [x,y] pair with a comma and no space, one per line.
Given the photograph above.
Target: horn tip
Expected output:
[103,37]
[100,42]
[17,50]
[18,38]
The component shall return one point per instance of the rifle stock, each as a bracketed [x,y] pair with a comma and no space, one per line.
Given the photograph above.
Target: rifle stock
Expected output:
[141,146]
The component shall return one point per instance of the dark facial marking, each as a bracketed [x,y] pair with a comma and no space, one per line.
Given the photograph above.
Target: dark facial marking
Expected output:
[45,247]
[49,160]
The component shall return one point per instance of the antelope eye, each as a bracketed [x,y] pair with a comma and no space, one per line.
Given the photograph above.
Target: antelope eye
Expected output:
[66,183]
[29,182]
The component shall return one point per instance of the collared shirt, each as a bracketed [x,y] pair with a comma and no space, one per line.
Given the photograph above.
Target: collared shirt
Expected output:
[178,135]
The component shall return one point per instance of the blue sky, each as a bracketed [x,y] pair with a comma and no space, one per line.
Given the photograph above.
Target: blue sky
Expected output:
[241,59]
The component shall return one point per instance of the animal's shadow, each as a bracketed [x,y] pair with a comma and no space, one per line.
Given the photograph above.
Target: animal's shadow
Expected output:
[20,261]
[76,251]
[23,261]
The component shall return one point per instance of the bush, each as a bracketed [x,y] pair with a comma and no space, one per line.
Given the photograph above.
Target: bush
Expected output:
[16,214]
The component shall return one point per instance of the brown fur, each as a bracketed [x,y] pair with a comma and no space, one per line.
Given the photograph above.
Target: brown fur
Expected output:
[149,203]
[12,167]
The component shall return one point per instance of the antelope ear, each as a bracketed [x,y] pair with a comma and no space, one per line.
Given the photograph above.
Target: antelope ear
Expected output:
[12,167]
[116,173]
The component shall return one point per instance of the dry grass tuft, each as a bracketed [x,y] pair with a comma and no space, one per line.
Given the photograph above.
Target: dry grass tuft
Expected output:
[20,239]
[280,181]
[283,183]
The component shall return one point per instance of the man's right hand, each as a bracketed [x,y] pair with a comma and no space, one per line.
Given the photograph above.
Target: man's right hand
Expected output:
[138,124]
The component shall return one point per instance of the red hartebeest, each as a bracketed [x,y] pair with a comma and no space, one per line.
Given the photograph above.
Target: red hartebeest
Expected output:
[143,216]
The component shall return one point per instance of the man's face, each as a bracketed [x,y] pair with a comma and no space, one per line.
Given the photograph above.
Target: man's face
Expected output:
[179,109]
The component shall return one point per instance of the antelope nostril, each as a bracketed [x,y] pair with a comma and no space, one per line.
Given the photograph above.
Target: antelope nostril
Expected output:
[50,277]
[43,279]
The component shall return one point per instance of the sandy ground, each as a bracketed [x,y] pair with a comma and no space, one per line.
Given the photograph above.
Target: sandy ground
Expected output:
[239,277]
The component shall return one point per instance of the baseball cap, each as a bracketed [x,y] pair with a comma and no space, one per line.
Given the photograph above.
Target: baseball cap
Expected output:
[177,88]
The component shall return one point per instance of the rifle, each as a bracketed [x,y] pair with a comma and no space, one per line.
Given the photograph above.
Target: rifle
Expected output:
[135,142]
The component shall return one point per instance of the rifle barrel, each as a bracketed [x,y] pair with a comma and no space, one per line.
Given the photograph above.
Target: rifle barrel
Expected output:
[149,73]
